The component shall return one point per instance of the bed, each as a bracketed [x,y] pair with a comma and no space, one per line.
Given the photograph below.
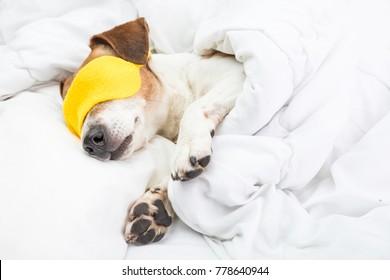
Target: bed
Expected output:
[300,165]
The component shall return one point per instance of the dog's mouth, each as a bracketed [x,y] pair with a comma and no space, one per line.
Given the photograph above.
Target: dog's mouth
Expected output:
[121,150]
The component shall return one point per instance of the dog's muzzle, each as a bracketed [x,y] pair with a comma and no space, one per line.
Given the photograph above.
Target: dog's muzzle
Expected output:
[98,144]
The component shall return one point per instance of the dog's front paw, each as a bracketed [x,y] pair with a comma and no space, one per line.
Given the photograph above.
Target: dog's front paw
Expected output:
[191,160]
[149,218]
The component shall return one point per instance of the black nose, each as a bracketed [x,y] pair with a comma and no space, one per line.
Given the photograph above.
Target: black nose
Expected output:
[95,142]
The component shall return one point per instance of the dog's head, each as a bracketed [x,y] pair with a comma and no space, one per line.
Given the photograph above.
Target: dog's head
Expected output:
[115,127]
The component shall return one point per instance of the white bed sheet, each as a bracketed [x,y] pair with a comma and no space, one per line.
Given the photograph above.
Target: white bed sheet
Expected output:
[182,243]
[58,203]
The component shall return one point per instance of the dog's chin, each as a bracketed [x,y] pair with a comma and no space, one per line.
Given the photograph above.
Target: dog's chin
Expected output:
[113,156]
[104,157]
[121,156]
[124,150]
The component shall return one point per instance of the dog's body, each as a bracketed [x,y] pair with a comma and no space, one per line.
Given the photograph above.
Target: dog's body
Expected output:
[182,97]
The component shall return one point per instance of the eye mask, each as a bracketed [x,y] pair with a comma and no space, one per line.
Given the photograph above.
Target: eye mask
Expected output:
[102,79]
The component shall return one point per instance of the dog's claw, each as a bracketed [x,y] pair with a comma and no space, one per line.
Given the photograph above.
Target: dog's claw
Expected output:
[192,155]
[193,160]
[193,170]
[202,162]
[175,177]
[193,173]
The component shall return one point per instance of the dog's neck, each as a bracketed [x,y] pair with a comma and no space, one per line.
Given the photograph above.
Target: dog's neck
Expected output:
[175,92]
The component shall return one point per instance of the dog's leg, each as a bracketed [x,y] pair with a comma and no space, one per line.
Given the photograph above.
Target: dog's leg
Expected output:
[193,149]
[150,216]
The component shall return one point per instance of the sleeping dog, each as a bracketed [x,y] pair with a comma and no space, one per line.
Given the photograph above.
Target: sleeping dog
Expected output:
[182,97]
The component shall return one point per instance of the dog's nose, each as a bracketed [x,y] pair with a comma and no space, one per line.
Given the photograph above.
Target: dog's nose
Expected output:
[95,142]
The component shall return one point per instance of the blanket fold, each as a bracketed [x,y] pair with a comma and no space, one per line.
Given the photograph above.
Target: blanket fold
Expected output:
[308,176]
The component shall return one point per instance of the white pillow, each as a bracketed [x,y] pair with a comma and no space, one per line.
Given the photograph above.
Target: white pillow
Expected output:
[43,39]
[55,201]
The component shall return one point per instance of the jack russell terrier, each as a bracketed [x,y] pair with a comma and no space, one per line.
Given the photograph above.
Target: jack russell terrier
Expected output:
[121,96]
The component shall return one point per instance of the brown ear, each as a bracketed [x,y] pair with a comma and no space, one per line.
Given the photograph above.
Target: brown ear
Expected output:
[62,88]
[130,40]
[65,85]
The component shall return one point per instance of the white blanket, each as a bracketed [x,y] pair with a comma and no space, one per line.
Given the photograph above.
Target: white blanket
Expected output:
[43,39]
[301,165]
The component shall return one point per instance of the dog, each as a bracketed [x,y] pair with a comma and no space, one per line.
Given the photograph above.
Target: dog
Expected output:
[182,97]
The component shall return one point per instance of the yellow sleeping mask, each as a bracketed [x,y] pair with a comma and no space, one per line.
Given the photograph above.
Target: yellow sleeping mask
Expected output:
[102,79]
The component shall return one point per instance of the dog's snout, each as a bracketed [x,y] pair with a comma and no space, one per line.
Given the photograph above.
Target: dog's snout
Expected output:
[95,142]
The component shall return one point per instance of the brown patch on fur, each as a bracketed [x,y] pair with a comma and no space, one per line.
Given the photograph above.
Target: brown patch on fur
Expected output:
[151,88]
[65,85]
[129,40]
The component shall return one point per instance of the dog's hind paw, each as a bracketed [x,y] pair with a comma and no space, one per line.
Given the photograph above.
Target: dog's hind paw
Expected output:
[149,217]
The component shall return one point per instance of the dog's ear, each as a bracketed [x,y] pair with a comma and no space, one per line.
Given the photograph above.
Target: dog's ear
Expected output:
[65,85]
[130,40]
[62,88]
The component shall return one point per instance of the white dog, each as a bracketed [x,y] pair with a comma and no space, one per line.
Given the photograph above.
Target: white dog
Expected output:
[182,97]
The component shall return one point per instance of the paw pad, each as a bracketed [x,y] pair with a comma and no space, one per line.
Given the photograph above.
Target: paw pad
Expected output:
[161,217]
[140,209]
[140,226]
[147,222]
